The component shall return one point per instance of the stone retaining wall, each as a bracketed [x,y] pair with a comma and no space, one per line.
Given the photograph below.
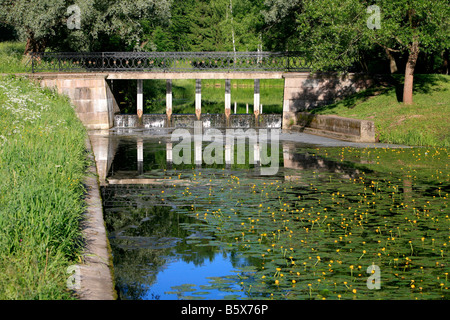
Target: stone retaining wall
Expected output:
[306,91]
[335,127]
[94,102]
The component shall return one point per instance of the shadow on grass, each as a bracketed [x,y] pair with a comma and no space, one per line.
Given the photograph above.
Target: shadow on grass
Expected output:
[429,83]
[353,100]
[423,84]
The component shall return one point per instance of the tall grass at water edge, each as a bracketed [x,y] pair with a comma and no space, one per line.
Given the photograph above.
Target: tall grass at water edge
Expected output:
[42,164]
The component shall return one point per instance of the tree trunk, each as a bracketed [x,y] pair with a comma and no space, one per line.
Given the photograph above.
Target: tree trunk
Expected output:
[409,73]
[392,63]
[34,45]
[445,63]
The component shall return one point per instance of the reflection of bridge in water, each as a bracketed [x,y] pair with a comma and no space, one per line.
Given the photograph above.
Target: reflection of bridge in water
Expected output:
[284,154]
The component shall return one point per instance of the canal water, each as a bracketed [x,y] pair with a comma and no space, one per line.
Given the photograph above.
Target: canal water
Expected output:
[331,222]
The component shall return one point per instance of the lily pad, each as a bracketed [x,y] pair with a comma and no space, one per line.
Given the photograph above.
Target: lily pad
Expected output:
[184,287]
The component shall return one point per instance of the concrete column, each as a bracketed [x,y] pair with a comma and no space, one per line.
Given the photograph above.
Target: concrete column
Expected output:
[286,154]
[140,100]
[140,155]
[229,150]
[169,101]
[101,147]
[198,98]
[235,107]
[246,108]
[288,116]
[256,100]
[227,100]
[169,158]
[198,136]
[256,154]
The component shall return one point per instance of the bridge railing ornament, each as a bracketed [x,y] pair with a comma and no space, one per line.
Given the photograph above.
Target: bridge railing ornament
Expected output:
[169,61]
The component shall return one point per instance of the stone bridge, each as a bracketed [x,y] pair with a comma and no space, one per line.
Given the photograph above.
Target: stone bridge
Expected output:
[86,79]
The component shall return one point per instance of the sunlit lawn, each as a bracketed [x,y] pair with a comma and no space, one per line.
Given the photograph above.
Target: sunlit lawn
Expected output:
[423,123]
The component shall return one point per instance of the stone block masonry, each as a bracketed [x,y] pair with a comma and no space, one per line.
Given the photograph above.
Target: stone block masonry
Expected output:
[96,105]
[306,91]
[335,127]
[91,95]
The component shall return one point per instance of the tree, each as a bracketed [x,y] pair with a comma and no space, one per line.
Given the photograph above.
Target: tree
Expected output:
[44,23]
[280,24]
[412,27]
[208,25]
[337,31]
[34,20]
[204,34]
[241,24]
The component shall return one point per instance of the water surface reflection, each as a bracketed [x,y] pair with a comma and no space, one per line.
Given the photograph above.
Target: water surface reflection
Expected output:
[210,231]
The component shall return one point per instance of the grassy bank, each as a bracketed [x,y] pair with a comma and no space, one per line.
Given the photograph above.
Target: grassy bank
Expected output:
[42,164]
[12,59]
[423,124]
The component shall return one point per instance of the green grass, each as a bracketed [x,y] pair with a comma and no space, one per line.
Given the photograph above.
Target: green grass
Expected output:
[425,123]
[12,59]
[42,164]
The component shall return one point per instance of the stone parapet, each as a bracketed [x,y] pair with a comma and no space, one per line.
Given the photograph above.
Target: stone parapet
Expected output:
[354,130]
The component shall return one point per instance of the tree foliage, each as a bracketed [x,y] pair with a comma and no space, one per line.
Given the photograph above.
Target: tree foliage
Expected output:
[43,23]
[333,33]
[208,25]
[280,25]
[338,32]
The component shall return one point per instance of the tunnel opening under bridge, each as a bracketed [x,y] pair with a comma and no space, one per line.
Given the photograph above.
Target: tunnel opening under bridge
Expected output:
[177,102]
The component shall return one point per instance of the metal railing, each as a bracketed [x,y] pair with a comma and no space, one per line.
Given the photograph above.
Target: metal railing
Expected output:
[169,61]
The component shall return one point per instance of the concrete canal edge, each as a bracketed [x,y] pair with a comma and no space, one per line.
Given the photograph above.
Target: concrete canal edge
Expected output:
[96,271]
[336,127]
